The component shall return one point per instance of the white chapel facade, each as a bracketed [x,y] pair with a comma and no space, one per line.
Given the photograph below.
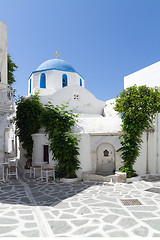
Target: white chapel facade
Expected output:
[98,124]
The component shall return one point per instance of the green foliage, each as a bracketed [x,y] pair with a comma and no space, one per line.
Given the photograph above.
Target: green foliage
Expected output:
[58,124]
[11,69]
[138,106]
[28,122]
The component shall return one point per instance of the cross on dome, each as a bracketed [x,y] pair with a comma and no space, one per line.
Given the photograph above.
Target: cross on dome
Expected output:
[57,54]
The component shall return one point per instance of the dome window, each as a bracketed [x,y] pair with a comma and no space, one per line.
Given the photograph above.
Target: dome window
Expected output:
[43,80]
[80,82]
[64,80]
[30,82]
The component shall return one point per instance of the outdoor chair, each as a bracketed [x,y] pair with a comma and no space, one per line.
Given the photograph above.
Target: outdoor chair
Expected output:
[33,170]
[46,173]
[12,169]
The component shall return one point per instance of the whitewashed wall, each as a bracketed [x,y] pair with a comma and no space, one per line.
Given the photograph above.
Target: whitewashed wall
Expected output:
[53,81]
[39,140]
[3,55]
[3,120]
[150,151]
[86,102]
[149,76]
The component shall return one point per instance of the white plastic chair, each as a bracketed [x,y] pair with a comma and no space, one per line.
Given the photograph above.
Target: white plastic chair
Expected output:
[12,169]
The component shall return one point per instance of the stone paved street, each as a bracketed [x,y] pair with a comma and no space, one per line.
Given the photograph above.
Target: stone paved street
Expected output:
[31,208]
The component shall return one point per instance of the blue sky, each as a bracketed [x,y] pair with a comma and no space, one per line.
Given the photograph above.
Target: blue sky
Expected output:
[104,40]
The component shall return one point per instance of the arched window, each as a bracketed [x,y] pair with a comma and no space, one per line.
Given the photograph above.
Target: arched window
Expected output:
[80,82]
[30,88]
[43,80]
[64,80]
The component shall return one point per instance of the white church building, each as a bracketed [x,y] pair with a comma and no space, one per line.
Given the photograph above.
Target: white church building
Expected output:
[98,124]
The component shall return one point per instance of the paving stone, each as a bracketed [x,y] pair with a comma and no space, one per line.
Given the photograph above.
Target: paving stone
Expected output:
[127,222]
[25,211]
[25,200]
[84,230]
[106,204]
[154,223]
[55,212]
[108,199]
[72,210]
[96,221]
[48,215]
[5,220]
[141,231]
[118,234]
[119,212]
[144,215]
[84,210]
[59,227]
[31,233]
[12,214]
[62,205]
[6,188]
[94,215]
[95,235]
[44,209]
[7,229]
[75,204]
[110,218]
[79,222]
[30,225]
[108,227]
[142,208]
[67,216]
[27,217]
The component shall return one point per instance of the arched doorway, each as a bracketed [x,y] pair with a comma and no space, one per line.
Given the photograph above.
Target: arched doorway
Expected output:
[105,159]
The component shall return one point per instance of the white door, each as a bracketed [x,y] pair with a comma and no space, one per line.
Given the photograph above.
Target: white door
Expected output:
[105,159]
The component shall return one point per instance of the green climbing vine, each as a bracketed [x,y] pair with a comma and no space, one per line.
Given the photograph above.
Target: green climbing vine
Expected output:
[58,124]
[138,106]
[28,122]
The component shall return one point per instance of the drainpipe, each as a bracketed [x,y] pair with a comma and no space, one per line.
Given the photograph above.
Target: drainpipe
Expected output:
[147,170]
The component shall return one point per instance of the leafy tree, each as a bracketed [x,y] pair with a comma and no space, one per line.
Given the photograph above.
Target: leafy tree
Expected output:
[138,106]
[11,69]
[28,122]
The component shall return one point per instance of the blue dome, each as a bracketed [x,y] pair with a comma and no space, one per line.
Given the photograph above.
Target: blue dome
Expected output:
[56,64]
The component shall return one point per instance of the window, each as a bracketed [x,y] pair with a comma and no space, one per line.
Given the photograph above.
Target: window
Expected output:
[30,86]
[80,82]
[76,96]
[43,80]
[64,80]
[12,145]
[46,153]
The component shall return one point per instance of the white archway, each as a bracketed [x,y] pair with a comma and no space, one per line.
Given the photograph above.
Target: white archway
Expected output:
[105,159]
